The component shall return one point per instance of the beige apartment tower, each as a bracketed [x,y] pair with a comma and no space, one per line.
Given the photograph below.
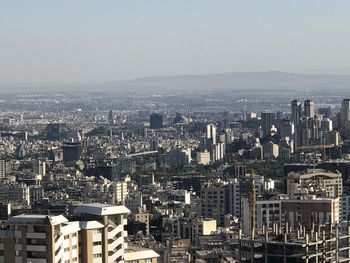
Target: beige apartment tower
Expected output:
[55,239]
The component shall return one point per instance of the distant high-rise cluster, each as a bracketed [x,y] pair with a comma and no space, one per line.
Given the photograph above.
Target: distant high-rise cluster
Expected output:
[309,128]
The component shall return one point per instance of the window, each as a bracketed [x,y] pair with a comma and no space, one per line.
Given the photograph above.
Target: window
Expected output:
[96,243]
[97,231]
[99,255]
[32,241]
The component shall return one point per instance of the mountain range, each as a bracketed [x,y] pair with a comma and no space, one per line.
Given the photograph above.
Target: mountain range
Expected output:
[271,80]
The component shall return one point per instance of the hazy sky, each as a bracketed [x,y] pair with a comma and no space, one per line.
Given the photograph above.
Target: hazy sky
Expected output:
[97,40]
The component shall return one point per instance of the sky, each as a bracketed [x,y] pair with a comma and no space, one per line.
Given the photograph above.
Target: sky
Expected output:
[66,41]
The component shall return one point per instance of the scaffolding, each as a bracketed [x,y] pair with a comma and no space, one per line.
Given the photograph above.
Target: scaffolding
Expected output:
[321,244]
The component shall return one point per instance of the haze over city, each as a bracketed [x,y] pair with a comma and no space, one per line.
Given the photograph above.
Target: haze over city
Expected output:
[96,41]
[174,131]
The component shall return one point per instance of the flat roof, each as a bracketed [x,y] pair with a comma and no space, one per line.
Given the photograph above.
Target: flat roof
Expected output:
[91,224]
[138,255]
[35,219]
[101,209]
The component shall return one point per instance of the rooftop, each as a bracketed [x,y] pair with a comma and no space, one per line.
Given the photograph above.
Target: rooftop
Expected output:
[131,255]
[101,209]
[90,224]
[309,173]
[37,219]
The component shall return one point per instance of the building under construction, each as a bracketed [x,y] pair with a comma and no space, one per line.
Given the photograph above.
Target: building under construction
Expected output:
[320,244]
[325,243]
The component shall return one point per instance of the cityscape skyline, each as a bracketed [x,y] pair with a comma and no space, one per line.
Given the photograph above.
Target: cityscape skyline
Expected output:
[174,131]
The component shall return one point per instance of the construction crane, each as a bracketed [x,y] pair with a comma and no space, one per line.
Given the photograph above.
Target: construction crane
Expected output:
[252,203]
[324,146]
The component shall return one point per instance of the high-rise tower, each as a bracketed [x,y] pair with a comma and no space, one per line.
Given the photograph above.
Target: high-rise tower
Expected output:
[296,111]
[156,121]
[111,117]
[345,112]
[211,133]
[309,108]
[266,123]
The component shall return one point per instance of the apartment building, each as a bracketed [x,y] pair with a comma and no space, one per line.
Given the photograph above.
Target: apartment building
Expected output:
[16,192]
[143,218]
[316,181]
[268,213]
[39,239]
[309,209]
[134,201]
[292,209]
[203,158]
[202,227]
[2,169]
[102,232]
[55,239]
[214,200]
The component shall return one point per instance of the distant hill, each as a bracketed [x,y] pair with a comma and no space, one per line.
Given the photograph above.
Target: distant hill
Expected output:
[271,80]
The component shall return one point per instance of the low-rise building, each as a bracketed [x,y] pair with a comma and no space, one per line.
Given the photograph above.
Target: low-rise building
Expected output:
[139,255]
[203,158]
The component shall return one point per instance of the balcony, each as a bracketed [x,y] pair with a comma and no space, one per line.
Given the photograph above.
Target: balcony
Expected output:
[59,242]
[18,246]
[36,260]
[18,234]
[115,243]
[37,248]
[96,249]
[97,237]
[114,256]
[36,235]
[59,254]
[115,231]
